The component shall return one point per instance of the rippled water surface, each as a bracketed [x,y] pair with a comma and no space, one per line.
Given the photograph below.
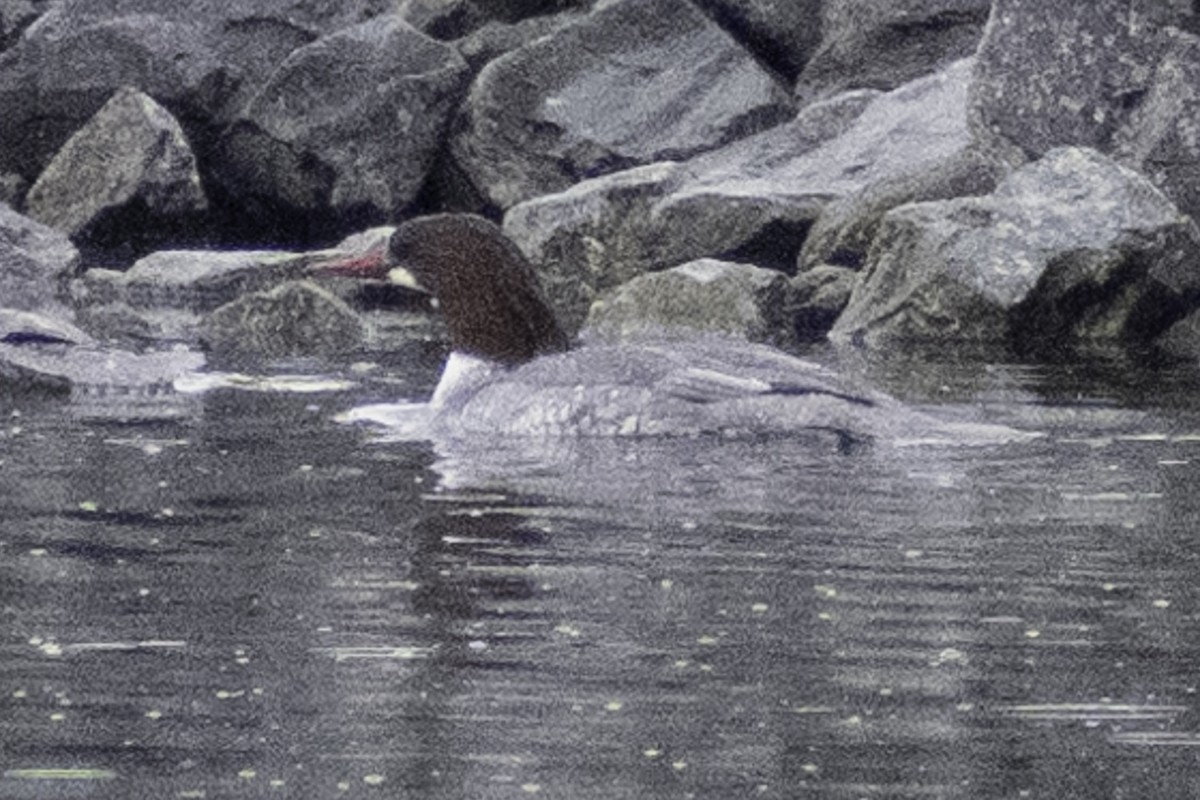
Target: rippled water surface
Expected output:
[234,596]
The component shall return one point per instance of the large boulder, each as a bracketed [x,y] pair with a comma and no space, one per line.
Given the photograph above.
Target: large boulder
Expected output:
[130,167]
[1161,137]
[752,201]
[843,233]
[868,44]
[705,296]
[784,34]
[35,260]
[201,60]
[1051,74]
[1070,249]
[351,122]
[297,318]
[635,82]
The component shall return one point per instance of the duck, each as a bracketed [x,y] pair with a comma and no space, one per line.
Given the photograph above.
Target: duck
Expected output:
[514,371]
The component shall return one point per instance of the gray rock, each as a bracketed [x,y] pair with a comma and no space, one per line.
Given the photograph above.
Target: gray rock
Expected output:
[752,201]
[16,16]
[97,370]
[132,152]
[1159,139]
[352,121]
[296,319]
[196,281]
[784,34]
[494,39]
[843,233]
[1182,340]
[13,189]
[818,296]
[868,44]
[1069,249]
[454,19]
[704,296]
[1051,74]
[201,60]
[635,82]
[34,262]
[22,327]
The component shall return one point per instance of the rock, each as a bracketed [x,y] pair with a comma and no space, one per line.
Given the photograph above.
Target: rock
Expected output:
[454,19]
[752,201]
[782,33]
[494,39]
[129,168]
[26,327]
[1051,74]
[34,261]
[1182,339]
[351,122]
[579,103]
[94,370]
[705,296]
[847,226]
[867,44]
[295,319]
[164,296]
[16,16]
[1160,138]
[818,296]
[202,61]
[1070,249]
[13,189]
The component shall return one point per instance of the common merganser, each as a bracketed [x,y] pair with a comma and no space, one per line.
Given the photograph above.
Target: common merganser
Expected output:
[512,370]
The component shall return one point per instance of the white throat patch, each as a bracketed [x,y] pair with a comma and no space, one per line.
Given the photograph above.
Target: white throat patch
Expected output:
[462,374]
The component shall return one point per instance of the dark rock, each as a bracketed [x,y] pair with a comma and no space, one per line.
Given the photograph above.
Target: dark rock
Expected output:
[88,369]
[34,262]
[782,33]
[1051,74]
[454,19]
[201,60]
[1160,138]
[26,327]
[818,296]
[16,16]
[1182,340]
[873,45]
[351,122]
[1070,249]
[752,201]
[704,296]
[637,81]
[844,231]
[195,280]
[13,189]
[296,319]
[494,39]
[132,153]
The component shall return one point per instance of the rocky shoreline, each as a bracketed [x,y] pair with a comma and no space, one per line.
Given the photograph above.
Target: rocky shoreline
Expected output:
[947,173]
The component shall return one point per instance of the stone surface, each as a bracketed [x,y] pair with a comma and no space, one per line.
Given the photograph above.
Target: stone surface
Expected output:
[752,201]
[131,158]
[782,33]
[868,44]
[635,82]
[494,39]
[297,318]
[1051,74]
[201,60]
[1162,136]
[34,261]
[85,368]
[1069,249]
[843,233]
[818,296]
[703,296]
[24,327]
[351,122]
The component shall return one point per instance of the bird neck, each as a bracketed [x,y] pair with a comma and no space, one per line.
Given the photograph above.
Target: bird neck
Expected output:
[462,375]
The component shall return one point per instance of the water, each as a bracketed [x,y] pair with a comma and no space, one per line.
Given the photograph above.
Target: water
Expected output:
[236,597]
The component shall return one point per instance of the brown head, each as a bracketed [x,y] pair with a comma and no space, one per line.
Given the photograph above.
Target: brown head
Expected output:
[487,290]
